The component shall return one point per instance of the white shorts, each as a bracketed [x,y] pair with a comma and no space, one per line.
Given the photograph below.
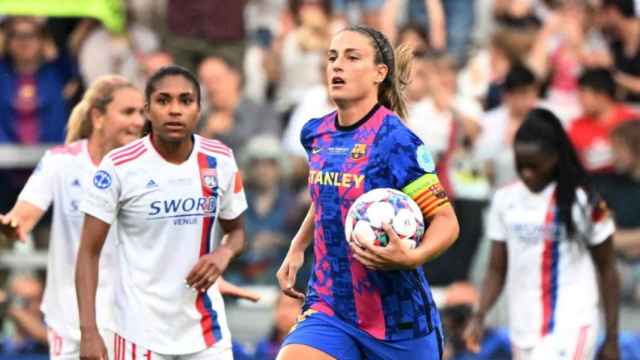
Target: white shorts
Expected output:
[126,350]
[61,348]
[577,344]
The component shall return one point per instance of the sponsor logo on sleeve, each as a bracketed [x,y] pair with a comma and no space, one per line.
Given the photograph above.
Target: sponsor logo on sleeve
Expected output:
[102,180]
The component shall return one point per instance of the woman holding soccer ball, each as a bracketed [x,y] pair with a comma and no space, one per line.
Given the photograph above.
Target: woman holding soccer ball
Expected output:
[366,301]
[552,247]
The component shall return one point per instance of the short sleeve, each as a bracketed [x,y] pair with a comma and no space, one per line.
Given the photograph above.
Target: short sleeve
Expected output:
[496,228]
[39,189]
[413,170]
[596,221]
[409,158]
[103,194]
[234,201]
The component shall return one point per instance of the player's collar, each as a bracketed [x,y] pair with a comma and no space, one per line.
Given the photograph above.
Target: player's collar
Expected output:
[359,122]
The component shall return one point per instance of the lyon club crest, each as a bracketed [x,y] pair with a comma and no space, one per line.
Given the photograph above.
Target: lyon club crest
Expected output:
[209,178]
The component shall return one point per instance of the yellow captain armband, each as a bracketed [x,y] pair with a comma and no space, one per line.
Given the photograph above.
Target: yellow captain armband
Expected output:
[427,192]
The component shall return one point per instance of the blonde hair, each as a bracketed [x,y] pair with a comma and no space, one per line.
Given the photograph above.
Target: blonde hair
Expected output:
[98,96]
[398,61]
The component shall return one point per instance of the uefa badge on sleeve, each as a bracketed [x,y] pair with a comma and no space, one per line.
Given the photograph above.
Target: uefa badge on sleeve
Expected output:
[209,178]
[424,159]
[102,180]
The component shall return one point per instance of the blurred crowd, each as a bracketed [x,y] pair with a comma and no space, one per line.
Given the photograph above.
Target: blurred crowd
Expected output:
[479,67]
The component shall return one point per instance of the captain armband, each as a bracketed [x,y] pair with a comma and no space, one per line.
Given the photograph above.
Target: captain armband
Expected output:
[428,193]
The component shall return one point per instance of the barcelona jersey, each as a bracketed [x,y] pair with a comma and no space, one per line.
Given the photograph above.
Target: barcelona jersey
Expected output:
[379,151]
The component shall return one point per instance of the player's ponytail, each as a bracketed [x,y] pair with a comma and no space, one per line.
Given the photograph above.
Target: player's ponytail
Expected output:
[398,61]
[97,96]
[542,127]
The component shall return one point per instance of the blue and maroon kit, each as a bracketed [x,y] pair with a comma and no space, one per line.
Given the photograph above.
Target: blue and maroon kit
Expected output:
[386,314]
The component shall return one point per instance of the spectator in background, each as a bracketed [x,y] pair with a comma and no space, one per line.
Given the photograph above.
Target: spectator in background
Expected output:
[459,301]
[449,123]
[370,12]
[414,36]
[35,82]
[199,29]
[499,125]
[22,303]
[314,104]
[622,194]
[459,15]
[119,53]
[268,219]
[565,45]
[285,314]
[230,117]
[294,58]
[589,133]
[621,24]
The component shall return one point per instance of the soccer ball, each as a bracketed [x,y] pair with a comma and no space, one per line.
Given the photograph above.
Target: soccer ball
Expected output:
[384,205]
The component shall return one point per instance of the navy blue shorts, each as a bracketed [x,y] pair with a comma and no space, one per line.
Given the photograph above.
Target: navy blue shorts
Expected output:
[344,341]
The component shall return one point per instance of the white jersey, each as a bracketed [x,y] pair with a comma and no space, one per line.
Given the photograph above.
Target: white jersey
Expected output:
[551,281]
[62,176]
[165,215]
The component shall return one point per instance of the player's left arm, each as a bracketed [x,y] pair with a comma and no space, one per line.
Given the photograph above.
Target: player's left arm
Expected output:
[413,171]
[603,255]
[609,285]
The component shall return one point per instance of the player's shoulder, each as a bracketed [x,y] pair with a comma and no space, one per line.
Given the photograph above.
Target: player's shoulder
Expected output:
[128,154]
[215,148]
[315,125]
[70,150]
[395,131]
[510,190]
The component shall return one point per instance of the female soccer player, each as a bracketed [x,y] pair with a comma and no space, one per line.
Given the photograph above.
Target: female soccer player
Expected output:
[109,116]
[164,192]
[375,302]
[552,246]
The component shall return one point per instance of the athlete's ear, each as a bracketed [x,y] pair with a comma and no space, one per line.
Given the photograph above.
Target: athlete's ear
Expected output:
[381,73]
[97,118]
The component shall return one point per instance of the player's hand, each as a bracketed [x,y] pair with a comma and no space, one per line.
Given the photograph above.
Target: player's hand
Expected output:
[609,350]
[287,273]
[473,334]
[92,346]
[394,256]
[208,268]
[10,228]
[229,289]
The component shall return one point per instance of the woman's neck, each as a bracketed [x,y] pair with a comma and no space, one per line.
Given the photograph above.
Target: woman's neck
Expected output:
[97,149]
[173,152]
[350,113]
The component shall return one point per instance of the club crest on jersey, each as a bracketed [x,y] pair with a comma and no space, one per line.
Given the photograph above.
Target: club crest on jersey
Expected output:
[358,151]
[209,178]
[424,159]
[102,180]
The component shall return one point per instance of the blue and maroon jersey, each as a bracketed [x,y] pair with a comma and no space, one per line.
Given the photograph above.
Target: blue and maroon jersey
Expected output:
[379,151]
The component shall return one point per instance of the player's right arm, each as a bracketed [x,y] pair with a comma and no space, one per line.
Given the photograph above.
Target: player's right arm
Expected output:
[494,279]
[34,199]
[491,289]
[18,222]
[94,234]
[295,256]
[100,206]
